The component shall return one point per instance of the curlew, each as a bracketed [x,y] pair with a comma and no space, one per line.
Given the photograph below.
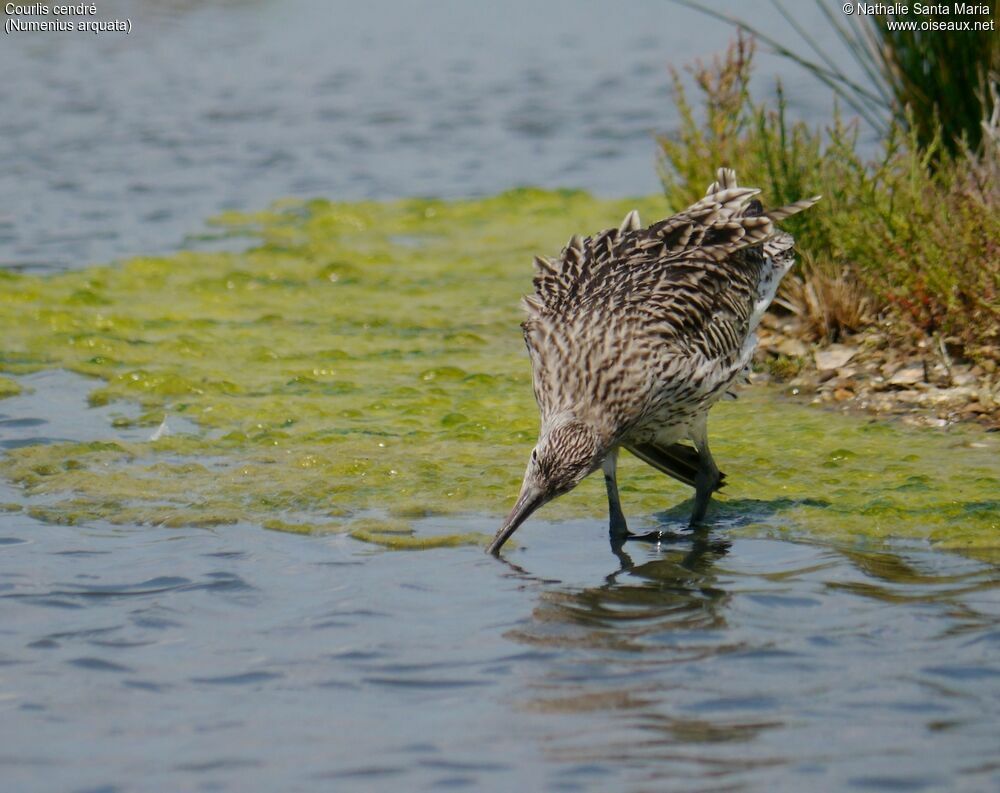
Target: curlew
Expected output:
[634,333]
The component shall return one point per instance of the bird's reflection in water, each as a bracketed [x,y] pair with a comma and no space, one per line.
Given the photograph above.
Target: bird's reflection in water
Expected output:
[638,604]
[720,673]
[617,641]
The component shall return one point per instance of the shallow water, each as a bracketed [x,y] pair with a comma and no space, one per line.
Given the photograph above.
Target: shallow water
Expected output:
[244,660]
[122,145]
[749,658]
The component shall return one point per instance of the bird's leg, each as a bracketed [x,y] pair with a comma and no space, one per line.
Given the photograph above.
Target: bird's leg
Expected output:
[707,480]
[619,529]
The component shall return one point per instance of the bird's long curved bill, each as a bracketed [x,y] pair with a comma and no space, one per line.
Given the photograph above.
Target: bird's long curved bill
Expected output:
[527,502]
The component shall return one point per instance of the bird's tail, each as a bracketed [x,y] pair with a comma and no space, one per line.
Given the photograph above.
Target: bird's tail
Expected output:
[725,179]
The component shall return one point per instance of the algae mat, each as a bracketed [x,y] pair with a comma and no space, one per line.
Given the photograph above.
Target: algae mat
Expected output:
[360,369]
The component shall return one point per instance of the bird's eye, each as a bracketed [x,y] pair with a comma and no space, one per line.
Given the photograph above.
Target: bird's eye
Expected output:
[534,455]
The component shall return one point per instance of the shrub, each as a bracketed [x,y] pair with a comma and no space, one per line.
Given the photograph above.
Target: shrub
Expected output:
[934,83]
[911,236]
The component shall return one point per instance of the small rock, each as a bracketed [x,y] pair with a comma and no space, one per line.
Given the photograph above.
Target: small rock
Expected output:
[961,393]
[793,348]
[834,357]
[963,378]
[842,394]
[840,381]
[908,375]
[940,375]
[883,405]
[941,396]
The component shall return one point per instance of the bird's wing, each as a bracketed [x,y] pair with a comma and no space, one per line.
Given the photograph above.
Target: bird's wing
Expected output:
[688,291]
[703,278]
[727,220]
[677,460]
[557,280]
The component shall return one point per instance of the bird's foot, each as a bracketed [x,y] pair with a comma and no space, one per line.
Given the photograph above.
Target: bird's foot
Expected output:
[649,536]
[619,538]
[668,537]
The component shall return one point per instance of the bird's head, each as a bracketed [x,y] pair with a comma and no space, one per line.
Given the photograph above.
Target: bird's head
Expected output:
[566,452]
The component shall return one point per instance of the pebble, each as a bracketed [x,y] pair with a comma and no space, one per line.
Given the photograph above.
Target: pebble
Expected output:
[908,375]
[881,379]
[793,348]
[834,357]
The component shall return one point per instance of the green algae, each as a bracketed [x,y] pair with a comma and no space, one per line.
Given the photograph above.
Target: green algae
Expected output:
[400,535]
[366,357]
[9,388]
[290,527]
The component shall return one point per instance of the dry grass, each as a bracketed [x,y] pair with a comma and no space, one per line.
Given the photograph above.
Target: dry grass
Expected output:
[828,307]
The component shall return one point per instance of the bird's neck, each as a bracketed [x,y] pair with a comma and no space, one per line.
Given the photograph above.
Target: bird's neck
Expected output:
[602,432]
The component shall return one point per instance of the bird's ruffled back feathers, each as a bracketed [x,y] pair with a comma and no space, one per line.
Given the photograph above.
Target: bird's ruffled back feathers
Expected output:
[686,293]
[728,219]
[556,279]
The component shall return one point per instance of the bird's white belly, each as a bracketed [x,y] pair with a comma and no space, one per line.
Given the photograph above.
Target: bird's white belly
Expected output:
[667,425]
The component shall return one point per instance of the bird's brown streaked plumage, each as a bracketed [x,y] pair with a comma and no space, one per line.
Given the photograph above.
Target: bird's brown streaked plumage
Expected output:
[634,333]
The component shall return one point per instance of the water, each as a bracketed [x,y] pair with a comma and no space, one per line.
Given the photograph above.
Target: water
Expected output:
[247,660]
[123,145]
[147,658]
[150,658]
